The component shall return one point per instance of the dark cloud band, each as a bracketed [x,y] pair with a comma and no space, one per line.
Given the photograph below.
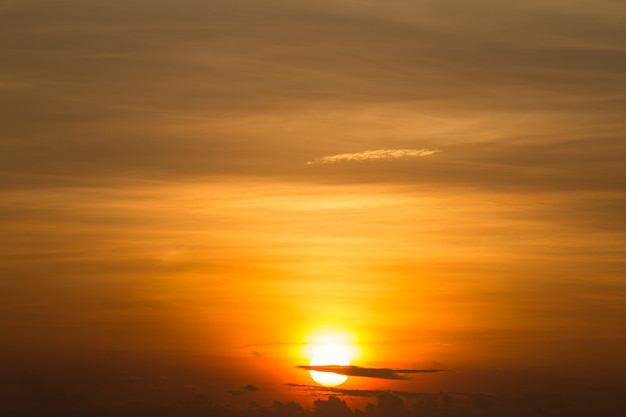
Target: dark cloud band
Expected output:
[381,373]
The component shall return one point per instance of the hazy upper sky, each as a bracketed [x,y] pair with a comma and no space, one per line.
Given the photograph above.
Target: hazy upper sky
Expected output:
[192,190]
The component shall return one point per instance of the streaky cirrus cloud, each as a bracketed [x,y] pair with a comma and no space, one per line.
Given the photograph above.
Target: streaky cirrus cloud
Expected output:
[381,373]
[376,154]
[365,393]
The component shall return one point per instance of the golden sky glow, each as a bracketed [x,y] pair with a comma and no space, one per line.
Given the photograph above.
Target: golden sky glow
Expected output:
[202,195]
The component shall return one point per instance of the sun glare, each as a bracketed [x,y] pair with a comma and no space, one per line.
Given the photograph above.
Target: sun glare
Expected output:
[330,346]
[329,355]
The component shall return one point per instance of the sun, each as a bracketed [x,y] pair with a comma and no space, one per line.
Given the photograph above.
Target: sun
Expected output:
[329,354]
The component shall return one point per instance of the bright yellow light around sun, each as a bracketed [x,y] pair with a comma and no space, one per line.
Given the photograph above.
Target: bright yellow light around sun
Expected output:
[329,355]
[330,346]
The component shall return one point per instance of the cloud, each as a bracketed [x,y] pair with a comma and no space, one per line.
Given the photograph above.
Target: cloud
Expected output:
[242,390]
[361,393]
[331,407]
[381,373]
[377,154]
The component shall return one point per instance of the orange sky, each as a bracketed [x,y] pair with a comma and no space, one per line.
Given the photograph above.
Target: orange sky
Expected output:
[191,190]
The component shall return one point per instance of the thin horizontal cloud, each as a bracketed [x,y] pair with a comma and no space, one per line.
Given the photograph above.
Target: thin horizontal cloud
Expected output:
[381,373]
[317,389]
[377,154]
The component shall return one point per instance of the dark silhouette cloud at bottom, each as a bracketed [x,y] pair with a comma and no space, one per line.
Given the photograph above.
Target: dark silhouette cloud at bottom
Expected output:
[383,404]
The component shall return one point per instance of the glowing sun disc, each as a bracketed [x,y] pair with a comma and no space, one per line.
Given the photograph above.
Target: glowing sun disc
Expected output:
[329,355]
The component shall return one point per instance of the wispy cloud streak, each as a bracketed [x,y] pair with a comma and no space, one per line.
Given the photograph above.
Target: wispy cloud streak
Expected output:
[317,389]
[382,373]
[377,154]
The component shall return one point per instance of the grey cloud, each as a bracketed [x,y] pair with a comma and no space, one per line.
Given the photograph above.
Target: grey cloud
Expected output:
[244,389]
[381,373]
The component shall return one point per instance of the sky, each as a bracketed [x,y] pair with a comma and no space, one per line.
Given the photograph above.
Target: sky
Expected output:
[196,195]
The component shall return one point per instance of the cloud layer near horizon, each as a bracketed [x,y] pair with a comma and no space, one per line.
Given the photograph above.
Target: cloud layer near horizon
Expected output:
[381,373]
